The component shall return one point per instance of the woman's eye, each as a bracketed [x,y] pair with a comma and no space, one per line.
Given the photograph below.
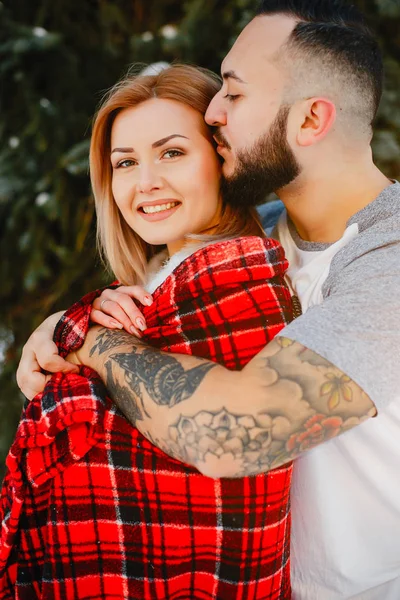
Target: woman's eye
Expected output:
[127,162]
[231,97]
[172,153]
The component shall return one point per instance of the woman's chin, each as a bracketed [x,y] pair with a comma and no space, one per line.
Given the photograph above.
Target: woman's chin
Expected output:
[161,240]
[155,242]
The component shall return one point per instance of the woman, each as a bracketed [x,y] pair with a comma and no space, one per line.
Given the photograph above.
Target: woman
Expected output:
[90,508]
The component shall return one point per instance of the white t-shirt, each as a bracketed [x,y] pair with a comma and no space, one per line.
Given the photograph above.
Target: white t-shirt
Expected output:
[346,492]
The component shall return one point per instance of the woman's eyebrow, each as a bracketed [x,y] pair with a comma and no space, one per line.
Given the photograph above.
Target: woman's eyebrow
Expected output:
[155,145]
[166,139]
[122,150]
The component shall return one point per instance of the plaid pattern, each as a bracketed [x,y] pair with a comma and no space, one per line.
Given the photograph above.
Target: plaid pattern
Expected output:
[91,510]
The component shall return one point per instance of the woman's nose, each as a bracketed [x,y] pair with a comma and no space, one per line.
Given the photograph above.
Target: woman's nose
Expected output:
[146,186]
[148,181]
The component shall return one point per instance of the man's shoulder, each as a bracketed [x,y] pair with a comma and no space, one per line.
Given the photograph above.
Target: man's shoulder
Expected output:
[270,213]
[377,245]
[379,221]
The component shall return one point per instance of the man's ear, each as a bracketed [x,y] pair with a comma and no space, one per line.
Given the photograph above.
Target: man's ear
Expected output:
[317,118]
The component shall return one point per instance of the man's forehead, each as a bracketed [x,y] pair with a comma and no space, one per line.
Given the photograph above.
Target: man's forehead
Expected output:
[259,41]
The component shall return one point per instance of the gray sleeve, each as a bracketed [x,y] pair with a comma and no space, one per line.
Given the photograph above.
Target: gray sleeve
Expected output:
[357,326]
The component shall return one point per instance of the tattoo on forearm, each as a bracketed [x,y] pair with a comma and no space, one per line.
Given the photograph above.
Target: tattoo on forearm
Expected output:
[336,389]
[160,375]
[163,377]
[310,401]
[248,444]
[126,403]
[211,435]
[297,400]
[109,339]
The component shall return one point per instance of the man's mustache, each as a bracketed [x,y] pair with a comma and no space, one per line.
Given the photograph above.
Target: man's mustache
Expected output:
[221,140]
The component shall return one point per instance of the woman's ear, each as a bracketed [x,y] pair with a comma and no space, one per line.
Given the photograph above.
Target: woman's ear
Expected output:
[317,117]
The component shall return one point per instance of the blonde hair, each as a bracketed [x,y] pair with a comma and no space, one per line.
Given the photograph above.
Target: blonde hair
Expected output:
[121,248]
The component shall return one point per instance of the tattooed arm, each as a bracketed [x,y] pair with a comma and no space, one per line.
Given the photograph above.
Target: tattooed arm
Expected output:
[287,400]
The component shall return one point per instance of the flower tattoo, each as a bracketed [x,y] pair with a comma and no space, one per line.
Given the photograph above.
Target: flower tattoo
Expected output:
[337,388]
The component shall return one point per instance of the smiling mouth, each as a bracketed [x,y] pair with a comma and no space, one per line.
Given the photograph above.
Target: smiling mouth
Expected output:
[157,208]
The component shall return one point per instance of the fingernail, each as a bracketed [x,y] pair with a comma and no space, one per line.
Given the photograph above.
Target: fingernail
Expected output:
[148,300]
[141,324]
[134,331]
[116,324]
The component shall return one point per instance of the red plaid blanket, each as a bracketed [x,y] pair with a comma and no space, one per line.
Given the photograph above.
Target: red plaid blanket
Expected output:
[91,510]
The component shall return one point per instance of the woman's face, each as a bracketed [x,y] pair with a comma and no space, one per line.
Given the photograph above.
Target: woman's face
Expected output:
[166,173]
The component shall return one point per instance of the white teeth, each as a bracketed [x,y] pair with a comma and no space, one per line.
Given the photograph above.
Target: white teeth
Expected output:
[158,207]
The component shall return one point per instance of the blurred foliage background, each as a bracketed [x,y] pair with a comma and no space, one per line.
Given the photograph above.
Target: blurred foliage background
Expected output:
[56,61]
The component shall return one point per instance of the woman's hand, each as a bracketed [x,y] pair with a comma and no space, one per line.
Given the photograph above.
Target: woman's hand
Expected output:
[115,309]
[40,354]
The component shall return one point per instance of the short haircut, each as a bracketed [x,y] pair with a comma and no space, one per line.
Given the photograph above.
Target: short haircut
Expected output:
[332,39]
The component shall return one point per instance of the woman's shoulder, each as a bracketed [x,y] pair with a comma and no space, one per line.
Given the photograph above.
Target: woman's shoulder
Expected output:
[223,262]
[247,246]
[250,254]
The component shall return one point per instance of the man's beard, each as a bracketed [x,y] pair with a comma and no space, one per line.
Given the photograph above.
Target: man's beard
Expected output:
[266,167]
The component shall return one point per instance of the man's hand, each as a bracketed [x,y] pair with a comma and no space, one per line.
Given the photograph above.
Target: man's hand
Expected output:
[40,354]
[286,401]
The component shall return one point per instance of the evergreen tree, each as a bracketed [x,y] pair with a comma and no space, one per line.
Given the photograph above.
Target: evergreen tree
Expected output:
[56,60]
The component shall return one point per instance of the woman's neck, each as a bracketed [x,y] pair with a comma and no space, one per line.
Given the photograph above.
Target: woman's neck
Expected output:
[177,245]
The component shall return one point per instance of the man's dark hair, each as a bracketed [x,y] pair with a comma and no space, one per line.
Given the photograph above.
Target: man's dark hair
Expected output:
[336,31]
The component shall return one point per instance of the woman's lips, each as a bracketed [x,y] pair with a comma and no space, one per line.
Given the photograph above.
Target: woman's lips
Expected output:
[159,216]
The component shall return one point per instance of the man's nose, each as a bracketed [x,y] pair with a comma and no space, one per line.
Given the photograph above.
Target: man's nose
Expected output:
[215,114]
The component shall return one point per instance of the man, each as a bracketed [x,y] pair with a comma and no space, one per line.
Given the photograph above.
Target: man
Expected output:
[301,88]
